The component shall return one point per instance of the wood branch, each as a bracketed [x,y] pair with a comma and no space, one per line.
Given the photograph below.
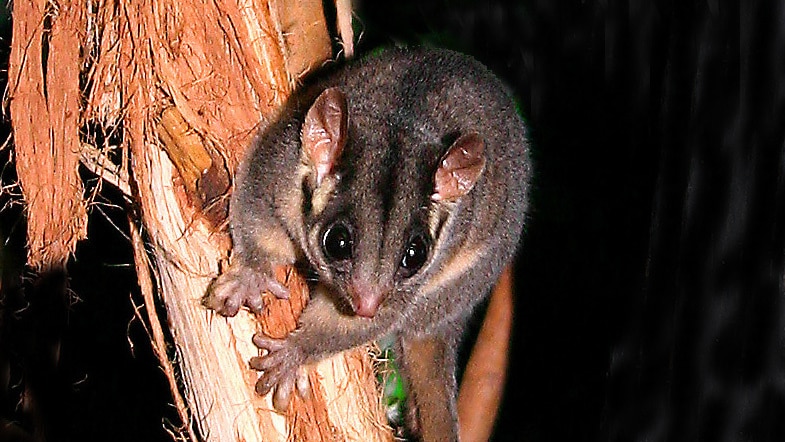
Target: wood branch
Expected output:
[485,374]
[195,90]
[96,161]
[305,33]
[343,13]
[155,330]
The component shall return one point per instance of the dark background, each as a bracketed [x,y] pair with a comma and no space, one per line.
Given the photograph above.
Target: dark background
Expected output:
[650,282]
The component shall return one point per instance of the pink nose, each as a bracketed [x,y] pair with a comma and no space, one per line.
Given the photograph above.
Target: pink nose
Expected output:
[366,296]
[366,304]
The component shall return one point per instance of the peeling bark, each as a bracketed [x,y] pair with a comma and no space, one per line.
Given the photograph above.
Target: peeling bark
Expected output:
[180,88]
[43,99]
[161,98]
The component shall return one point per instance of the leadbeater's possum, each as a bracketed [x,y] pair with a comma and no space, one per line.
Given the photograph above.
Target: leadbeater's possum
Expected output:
[401,180]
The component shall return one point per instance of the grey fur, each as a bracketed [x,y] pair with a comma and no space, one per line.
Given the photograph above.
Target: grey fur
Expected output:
[405,108]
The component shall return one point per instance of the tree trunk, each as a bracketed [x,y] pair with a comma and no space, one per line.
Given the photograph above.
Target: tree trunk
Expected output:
[160,98]
[172,92]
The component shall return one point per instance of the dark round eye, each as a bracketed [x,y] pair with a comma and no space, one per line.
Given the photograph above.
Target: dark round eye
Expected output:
[337,242]
[414,256]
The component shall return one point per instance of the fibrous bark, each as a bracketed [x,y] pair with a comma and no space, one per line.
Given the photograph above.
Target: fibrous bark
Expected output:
[43,99]
[161,98]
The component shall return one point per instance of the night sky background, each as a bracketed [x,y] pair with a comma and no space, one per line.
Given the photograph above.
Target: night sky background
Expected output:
[649,286]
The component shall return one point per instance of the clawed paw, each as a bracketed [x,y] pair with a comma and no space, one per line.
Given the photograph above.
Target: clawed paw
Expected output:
[281,369]
[240,286]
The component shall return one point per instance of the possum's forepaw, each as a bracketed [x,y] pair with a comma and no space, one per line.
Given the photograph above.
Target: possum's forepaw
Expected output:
[281,369]
[241,286]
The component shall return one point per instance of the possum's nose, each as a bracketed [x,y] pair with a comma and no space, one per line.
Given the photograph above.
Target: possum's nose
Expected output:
[366,305]
[366,297]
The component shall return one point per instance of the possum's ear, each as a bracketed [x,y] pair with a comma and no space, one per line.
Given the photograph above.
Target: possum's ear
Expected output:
[324,132]
[460,168]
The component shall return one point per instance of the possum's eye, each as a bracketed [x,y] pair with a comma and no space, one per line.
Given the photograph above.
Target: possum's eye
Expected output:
[337,242]
[414,256]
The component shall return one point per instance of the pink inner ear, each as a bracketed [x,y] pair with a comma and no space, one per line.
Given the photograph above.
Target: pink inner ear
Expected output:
[460,168]
[324,132]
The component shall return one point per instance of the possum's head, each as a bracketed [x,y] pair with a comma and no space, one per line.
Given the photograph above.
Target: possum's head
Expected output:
[378,192]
